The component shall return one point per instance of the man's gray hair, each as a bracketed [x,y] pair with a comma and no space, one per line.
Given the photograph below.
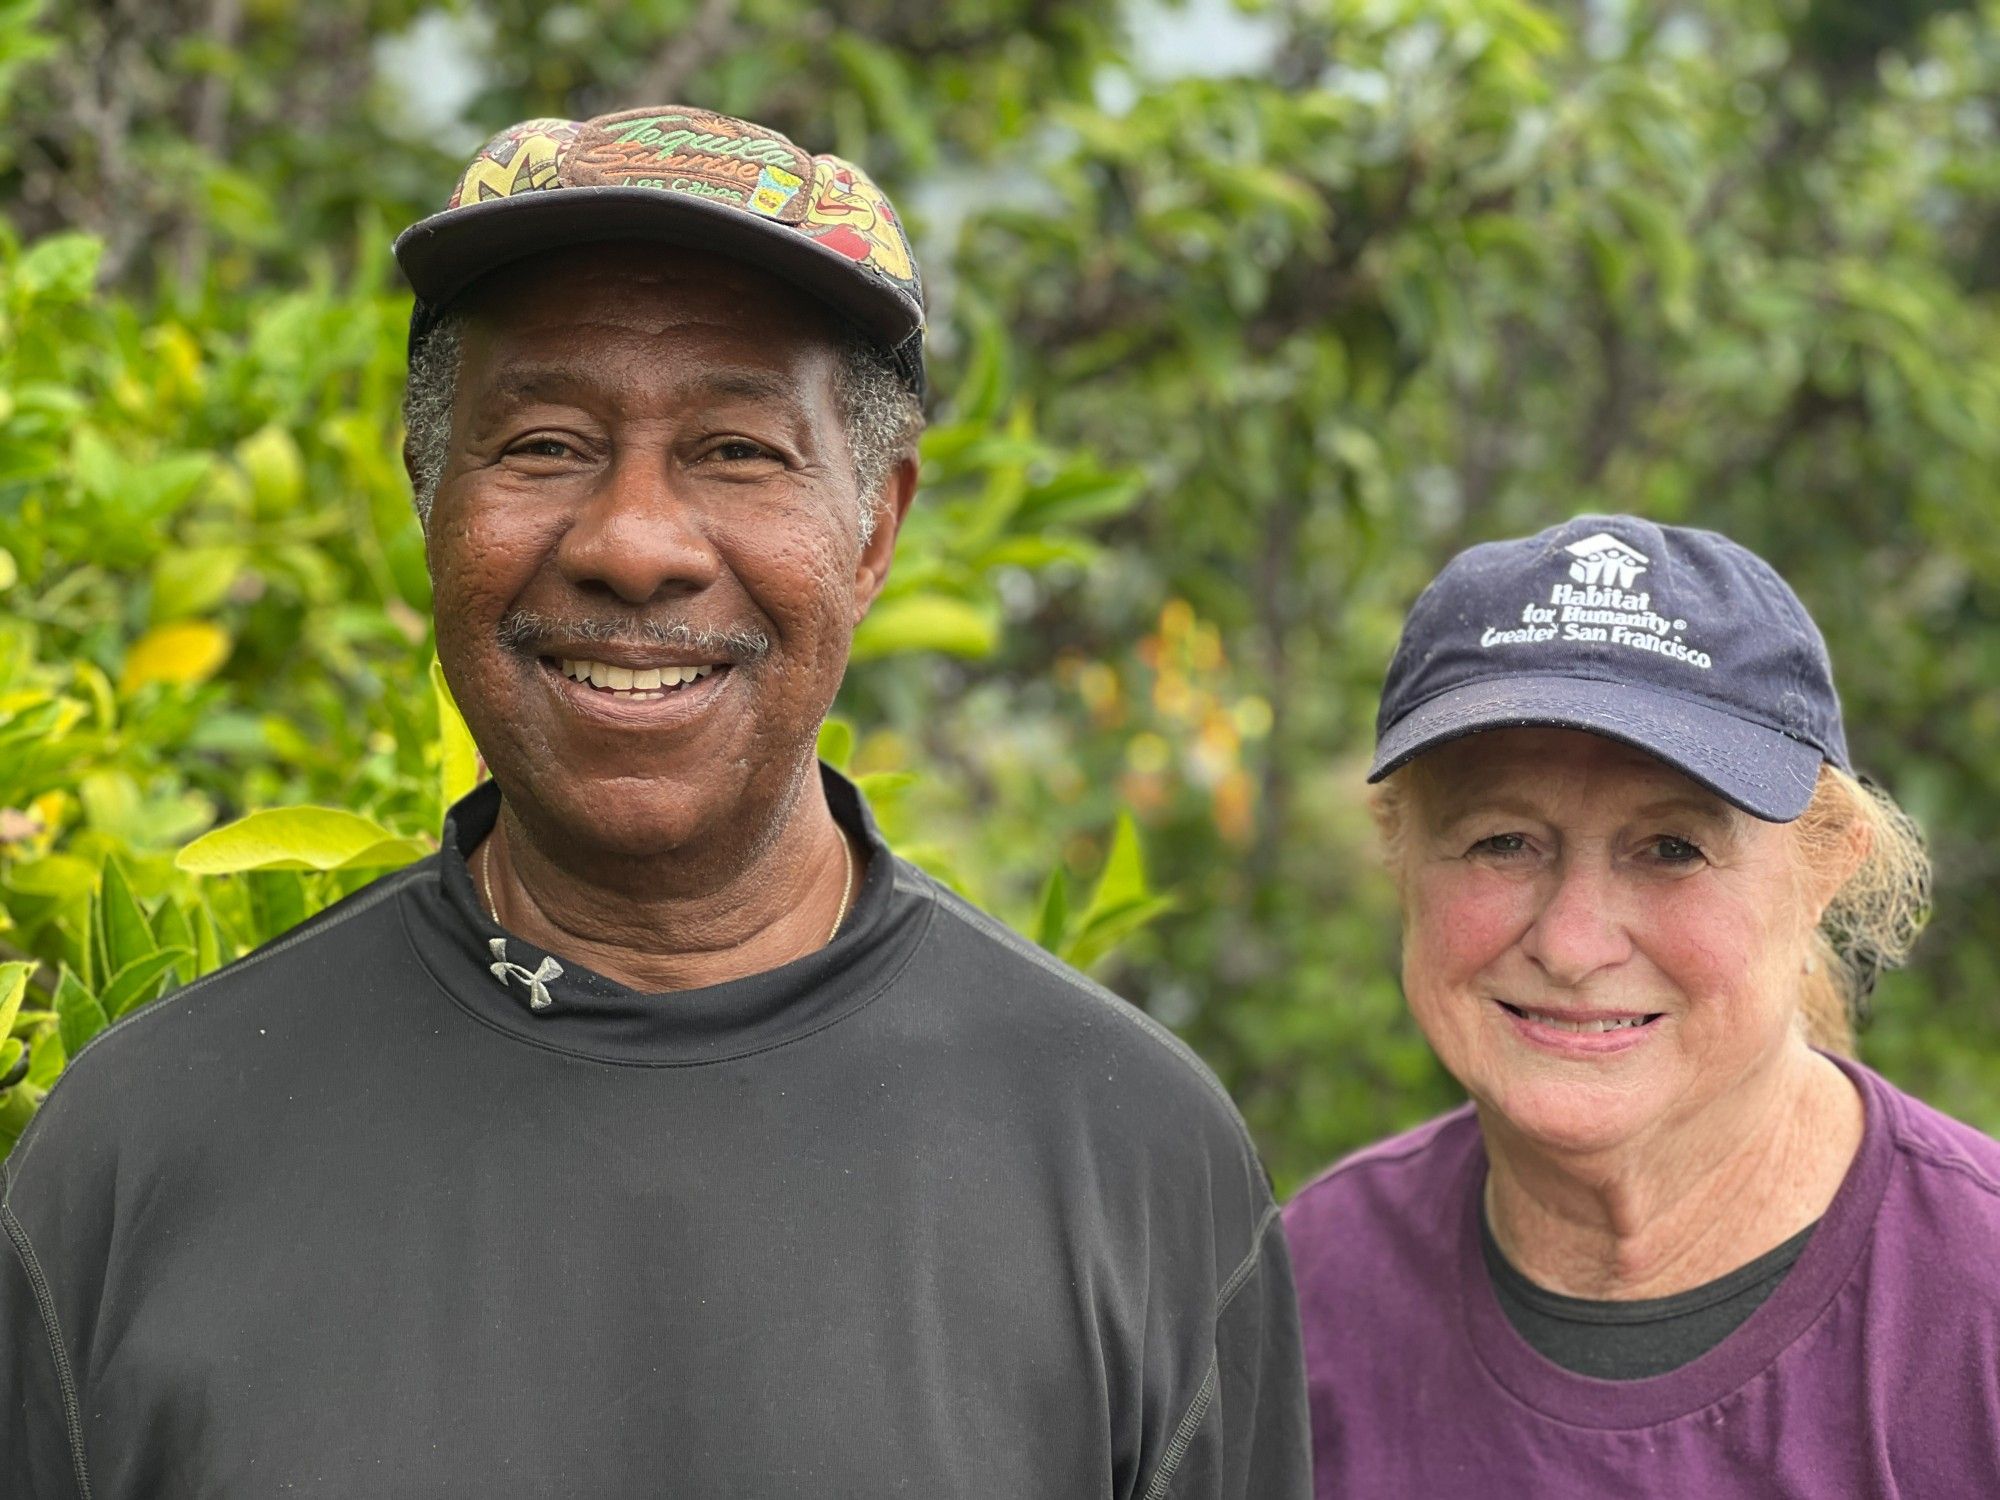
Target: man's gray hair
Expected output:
[882,415]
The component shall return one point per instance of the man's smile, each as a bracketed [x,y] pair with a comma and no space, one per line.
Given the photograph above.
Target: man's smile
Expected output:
[652,697]
[642,681]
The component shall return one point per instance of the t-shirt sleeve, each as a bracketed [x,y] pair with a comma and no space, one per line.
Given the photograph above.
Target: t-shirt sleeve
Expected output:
[1246,1435]
[34,1442]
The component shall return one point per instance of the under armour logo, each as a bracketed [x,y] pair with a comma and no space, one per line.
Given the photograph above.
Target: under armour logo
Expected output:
[537,981]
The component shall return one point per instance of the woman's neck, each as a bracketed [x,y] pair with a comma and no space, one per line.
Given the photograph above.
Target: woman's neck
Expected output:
[1686,1204]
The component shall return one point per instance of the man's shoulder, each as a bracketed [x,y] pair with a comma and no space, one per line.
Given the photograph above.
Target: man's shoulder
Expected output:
[1024,1002]
[182,1043]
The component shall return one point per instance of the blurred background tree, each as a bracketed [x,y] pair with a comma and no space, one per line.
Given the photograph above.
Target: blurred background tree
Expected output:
[1243,320]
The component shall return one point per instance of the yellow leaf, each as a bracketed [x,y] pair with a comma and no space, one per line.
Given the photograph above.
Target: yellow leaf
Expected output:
[187,651]
[458,757]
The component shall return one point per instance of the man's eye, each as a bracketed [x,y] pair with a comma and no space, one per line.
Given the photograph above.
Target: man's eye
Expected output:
[737,450]
[543,447]
[1502,844]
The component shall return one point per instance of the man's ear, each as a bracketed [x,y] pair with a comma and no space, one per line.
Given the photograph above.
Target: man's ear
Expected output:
[871,570]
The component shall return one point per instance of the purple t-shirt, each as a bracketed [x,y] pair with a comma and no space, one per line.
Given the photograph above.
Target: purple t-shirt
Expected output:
[1872,1371]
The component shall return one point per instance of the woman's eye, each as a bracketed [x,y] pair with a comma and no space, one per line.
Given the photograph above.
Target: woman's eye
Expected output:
[1675,851]
[1502,844]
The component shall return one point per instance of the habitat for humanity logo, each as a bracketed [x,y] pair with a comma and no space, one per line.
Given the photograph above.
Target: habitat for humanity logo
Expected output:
[1603,611]
[1603,559]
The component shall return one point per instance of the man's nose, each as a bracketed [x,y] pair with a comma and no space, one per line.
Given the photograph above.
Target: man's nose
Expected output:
[1581,927]
[639,534]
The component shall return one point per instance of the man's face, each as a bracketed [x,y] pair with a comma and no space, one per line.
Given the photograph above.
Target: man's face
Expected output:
[648,474]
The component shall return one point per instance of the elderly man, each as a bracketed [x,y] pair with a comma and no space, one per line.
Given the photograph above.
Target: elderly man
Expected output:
[664,1134]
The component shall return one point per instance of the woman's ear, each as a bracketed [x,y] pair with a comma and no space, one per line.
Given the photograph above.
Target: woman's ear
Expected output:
[1831,865]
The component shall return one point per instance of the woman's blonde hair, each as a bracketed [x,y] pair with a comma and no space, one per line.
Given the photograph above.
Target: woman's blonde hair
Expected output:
[1871,923]
[1875,916]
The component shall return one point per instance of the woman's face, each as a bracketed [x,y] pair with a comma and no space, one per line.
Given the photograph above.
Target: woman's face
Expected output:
[1596,947]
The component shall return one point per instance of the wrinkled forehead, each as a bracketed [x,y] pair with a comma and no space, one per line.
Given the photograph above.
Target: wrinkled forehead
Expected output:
[1562,773]
[633,292]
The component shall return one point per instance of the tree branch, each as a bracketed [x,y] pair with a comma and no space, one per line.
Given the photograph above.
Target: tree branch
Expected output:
[697,45]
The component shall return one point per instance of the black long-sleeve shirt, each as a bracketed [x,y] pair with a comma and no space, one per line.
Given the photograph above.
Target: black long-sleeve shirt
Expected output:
[923,1213]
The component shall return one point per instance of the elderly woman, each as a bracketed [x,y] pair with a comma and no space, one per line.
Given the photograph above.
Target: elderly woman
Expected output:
[1677,1244]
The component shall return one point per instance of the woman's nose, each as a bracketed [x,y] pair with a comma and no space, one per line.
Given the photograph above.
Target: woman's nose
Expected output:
[1581,927]
[638,536]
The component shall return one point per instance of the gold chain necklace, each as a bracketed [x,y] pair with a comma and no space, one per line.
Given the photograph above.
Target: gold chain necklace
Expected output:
[846,884]
[486,879]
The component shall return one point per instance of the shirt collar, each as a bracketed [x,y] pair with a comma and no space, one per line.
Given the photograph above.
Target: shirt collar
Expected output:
[554,1002]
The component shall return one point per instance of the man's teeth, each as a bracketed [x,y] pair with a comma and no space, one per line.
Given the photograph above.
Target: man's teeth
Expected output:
[1616,1024]
[650,681]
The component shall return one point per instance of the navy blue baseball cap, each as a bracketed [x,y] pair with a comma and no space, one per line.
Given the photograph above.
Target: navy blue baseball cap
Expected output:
[1676,641]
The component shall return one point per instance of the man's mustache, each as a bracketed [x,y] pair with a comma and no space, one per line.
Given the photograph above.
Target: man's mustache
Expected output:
[527,632]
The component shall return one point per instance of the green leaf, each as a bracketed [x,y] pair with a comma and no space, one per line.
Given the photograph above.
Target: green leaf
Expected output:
[46,1066]
[277,901]
[17,1108]
[63,265]
[171,927]
[1124,878]
[271,457]
[926,622]
[880,76]
[836,743]
[298,838]
[139,981]
[458,756]
[119,923]
[1037,551]
[1103,932]
[78,1015]
[210,951]
[133,492]
[193,580]
[1053,916]
[11,1048]
[982,390]
[1080,497]
[13,985]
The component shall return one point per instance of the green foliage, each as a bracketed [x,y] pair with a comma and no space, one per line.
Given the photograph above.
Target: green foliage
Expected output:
[1227,366]
[215,592]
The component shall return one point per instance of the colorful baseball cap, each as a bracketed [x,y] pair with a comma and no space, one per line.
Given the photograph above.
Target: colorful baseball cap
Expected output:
[1673,640]
[680,176]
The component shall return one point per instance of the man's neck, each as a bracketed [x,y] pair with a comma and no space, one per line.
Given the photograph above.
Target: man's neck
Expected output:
[1686,1205]
[657,930]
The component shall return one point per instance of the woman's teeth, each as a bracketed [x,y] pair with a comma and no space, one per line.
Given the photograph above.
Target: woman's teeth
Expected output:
[1617,1023]
[639,682]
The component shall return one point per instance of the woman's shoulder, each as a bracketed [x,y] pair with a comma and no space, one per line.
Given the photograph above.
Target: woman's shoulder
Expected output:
[1943,1157]
[1403,1175]
[1939,1217]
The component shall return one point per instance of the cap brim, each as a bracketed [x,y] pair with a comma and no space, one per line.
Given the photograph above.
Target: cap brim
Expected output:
[446,253]
[1768,774]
